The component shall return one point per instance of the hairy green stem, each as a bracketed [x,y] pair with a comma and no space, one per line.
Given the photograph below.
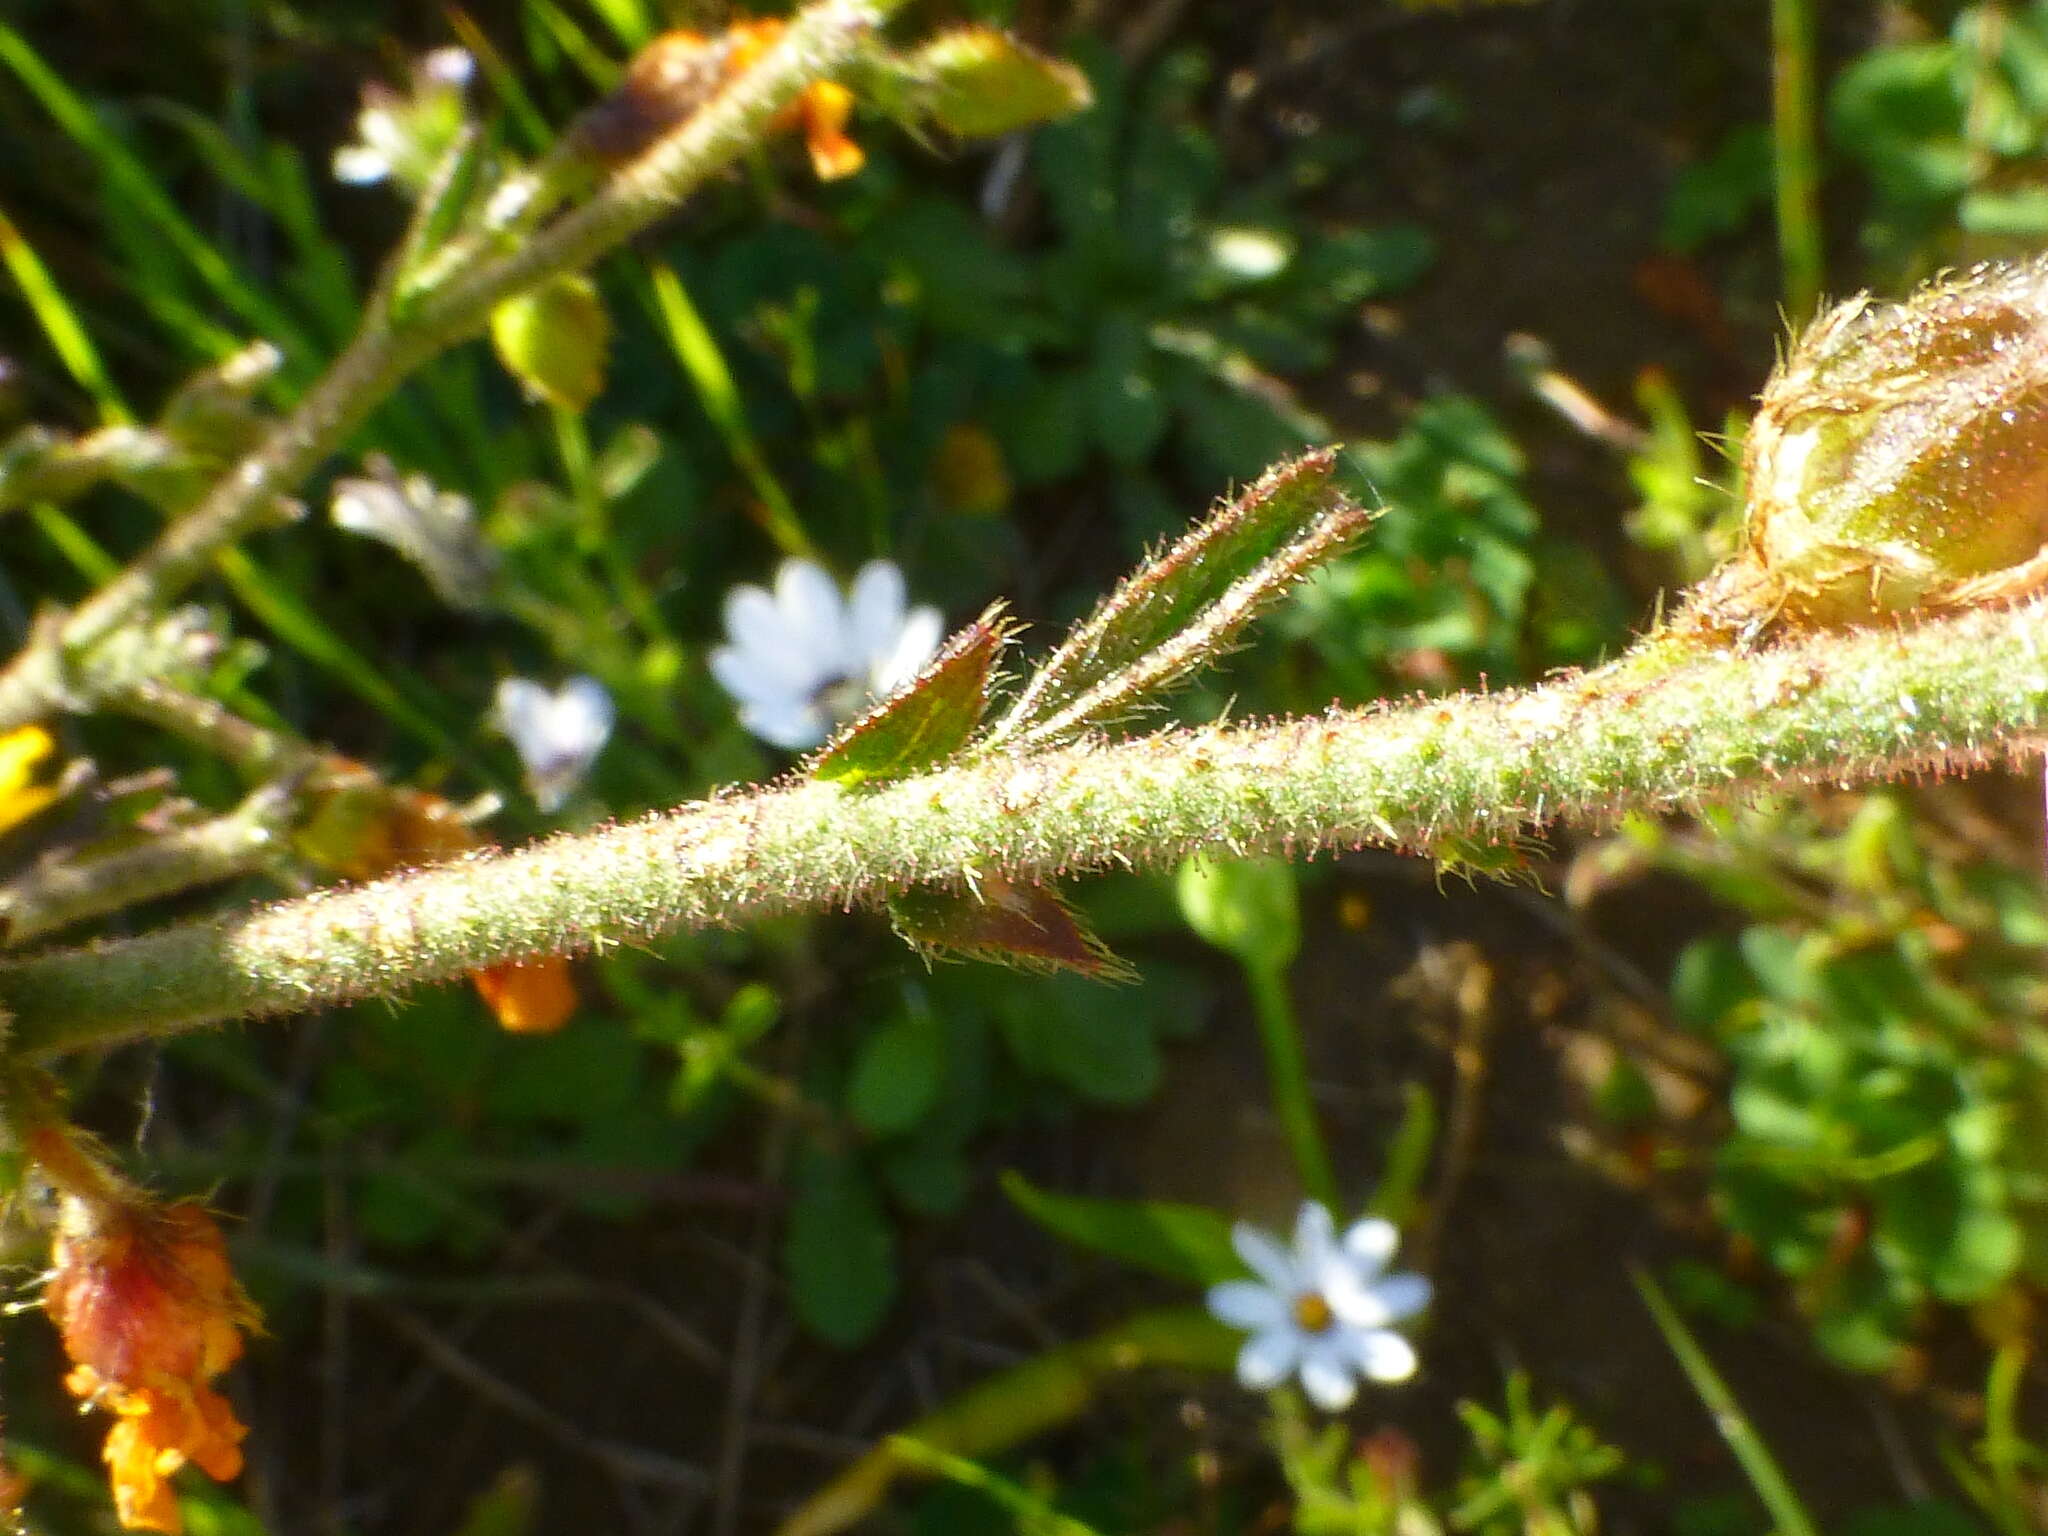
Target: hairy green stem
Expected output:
[55,895]
[1671,726]
[820,41]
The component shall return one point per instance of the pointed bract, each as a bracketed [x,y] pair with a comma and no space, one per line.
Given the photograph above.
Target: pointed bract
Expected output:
[928,721]
[1026,926]
[1185,605]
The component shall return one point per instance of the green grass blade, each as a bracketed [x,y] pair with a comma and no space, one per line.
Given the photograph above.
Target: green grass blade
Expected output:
[590,60]
[528,121]
[630,21]
[697,350]
[67,335]
[1758,1465]
[286,616]
[130,182]
[74,543]
[1027,1508]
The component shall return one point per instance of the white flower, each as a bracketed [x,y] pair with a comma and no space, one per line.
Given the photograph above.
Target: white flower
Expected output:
[1323,1310]
[434,529]
[802,660]
[558,735]
[403,136]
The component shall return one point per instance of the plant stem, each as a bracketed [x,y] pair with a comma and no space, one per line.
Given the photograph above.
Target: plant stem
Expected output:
[1796,157]
[1657,730]
[1758,1464]
[1280,1034]
[820,40]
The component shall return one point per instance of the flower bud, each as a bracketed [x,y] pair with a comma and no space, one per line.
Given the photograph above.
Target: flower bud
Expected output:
[1896,460]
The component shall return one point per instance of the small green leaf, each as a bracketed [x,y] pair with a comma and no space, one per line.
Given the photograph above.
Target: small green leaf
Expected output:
[927,722]
[929,1178]
[1027,926]
[897,1073]
[1186,604]
[1710,981]
[1100,1042]
[839,1252]
[1245,907]
[1189,1243]
[979,83]
[555,340]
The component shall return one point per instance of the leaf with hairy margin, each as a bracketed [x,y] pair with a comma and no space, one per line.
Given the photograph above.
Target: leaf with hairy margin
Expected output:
[1186,604]
[927,722]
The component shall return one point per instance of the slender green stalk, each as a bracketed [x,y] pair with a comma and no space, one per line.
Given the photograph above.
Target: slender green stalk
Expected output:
[594,535]
[2005,1449]
[1758,1465]
[1796,157]
[697,350]
[1657,730]
[1287,1067]
[821,39]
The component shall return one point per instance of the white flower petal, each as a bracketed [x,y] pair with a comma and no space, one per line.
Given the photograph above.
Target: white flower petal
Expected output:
[1326,1373]
[814,619]
[1371,1243]
[736,673]
[558,735]
[875,609]
[778,665]
[914,647]
[791,726]
[1376,1303]
[1248,1305]
[1315,1239]
[1383,1356]
[1403,1295]
[518,706]
[447,66]
[360,165]
[382,132]
[1265,1257]
[1267,1357]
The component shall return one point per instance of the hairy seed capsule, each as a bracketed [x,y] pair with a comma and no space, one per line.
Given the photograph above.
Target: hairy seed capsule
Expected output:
[1899,459]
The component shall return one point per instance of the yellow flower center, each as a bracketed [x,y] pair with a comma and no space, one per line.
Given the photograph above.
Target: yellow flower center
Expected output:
[1311,1313]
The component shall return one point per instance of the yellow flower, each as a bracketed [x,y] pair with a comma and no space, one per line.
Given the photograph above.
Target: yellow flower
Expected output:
[21,751]
[150,1314]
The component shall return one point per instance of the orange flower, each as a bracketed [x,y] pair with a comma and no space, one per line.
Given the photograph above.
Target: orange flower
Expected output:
[530,997]
[679,71]
[150,1314]
[825,108]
